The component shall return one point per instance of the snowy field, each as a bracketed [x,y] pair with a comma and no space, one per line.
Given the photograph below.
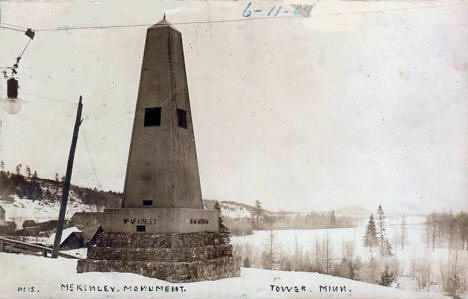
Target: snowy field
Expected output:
[47,275]
[305,239]
[58,279]
[288,240]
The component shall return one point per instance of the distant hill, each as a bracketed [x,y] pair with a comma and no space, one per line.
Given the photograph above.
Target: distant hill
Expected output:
[29,197]
[33,198]
[242,218]
[231,208]
[235,209]
[353,211]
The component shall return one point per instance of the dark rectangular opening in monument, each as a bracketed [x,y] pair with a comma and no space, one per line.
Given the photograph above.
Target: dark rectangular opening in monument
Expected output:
[153,117]
[182,117]
[141,228]
[147,202]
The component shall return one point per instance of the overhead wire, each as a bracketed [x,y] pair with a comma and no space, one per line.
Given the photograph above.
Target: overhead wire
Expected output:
[14,27]
[66,28]
[87,115]
[93,166]
[10,28]
[50,99]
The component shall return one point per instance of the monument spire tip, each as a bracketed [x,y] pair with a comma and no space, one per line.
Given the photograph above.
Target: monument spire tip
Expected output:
[162,23]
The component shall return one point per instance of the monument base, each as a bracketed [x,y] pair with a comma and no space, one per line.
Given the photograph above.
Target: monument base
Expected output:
[159,220]
[174,257]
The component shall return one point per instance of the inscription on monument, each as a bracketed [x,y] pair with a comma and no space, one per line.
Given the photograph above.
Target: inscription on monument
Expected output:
[199,221]
[139,221]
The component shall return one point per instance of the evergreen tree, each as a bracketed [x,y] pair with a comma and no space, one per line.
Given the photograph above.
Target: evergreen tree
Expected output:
[2,166]
[57,185]
[370,238]
[381,228]
[34,176]
[384,244]
[28,171]
[48,194]
[258,214]
[387,248]
[18,169]
[246,262]
[386,277]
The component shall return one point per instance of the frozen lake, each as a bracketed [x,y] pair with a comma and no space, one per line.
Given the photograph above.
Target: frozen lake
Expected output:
[288,240]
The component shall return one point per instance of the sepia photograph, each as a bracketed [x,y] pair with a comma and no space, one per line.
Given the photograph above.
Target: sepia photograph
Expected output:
[233,149]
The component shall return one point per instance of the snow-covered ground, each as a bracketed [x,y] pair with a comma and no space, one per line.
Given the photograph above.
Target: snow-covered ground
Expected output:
[24,209]
[234,211]
[58,279]
[288,240]
[305,239]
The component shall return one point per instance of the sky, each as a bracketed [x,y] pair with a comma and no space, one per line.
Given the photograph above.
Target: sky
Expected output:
[359,104]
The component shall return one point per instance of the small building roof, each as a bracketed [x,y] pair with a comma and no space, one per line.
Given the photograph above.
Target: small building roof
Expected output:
[90,231]
[65,234]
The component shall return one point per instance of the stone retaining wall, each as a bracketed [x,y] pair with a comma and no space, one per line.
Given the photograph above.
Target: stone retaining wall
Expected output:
[173,257]
[147,240]
[218,268]
[178,254]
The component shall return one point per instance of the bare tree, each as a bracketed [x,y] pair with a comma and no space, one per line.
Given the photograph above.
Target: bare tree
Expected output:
[432,231]
[298,257]
[421,271]
[271,255]
[328,254]
[396,263]
[349,248]
[404,232]
[317,254]
[453,275]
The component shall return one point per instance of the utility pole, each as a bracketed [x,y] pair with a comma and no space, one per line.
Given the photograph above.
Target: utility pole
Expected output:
[66,184]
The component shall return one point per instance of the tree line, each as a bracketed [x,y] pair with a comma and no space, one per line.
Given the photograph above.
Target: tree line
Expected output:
[447,230]
[261,220]
[25,183]
[318,256]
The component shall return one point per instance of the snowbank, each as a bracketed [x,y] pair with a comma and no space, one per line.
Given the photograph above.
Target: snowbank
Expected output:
[58,279]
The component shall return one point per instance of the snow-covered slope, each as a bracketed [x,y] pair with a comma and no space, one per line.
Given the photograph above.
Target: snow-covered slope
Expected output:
[51,278]
[23,209]
[235,210]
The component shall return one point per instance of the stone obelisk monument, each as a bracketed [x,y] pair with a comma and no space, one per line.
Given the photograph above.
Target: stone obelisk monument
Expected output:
[162,166]
[162,230]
